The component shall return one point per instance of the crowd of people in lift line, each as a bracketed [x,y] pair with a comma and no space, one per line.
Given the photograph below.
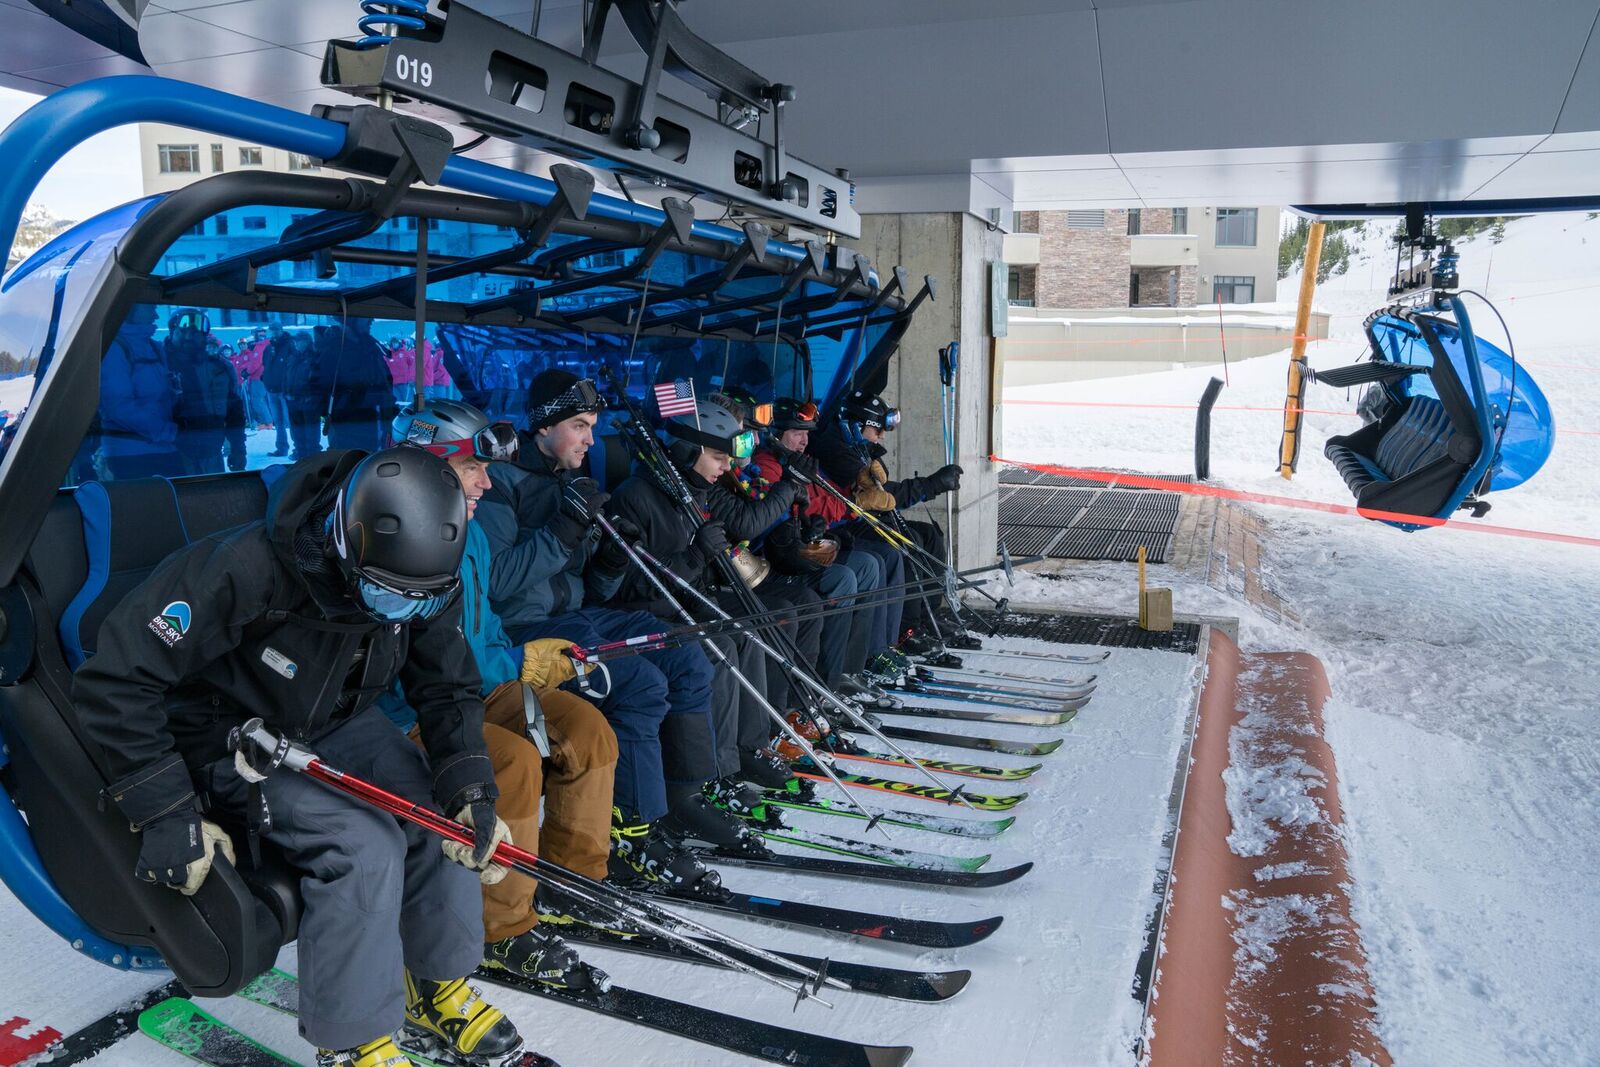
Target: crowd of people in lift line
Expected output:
[432,590]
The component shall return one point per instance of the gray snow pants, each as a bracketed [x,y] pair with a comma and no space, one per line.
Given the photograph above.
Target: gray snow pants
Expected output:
[379,894]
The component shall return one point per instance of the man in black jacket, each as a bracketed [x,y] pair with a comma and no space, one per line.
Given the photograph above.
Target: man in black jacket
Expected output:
[304,618]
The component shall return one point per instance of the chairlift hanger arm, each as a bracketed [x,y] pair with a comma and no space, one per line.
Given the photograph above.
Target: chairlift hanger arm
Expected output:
[811,267]
[754,249]
[758,324]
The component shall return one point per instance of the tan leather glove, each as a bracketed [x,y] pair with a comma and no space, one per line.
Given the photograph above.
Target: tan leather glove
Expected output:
[545,662]
[489,872]
[868,494]
[878,472]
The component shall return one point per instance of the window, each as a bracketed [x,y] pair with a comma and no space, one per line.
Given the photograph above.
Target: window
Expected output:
[216,158]
[1233,289]
[250,157]
[1180,220]
[1133,225]
[255,222]
[1086,220]
[1236,227]
[300,161]
[1133,288]
[222,225]
[1024,222]
[180,158]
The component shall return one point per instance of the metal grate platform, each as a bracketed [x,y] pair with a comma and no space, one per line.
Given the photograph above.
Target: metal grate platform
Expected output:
[1093,521]
[1100,630]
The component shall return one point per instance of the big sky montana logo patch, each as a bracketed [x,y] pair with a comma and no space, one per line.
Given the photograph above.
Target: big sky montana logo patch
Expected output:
[172,623]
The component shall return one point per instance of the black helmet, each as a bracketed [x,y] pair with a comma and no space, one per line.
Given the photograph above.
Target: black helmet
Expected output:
[708,426]
[399,527]
[450,428]
[868,409]
[791,414]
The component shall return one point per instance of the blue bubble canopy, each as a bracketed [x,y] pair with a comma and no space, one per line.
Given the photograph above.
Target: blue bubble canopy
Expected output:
[1452,417]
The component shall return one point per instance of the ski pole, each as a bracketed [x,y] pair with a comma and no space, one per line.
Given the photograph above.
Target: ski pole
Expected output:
[634,553]
[282,752]
[821,690]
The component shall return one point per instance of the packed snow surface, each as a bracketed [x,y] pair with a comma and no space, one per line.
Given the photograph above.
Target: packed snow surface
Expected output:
[1466,692]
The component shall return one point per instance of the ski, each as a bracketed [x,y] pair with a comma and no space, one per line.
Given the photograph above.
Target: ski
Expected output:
[986,744]
[873,871]
[871,851]
[913,688]
[923,684]
[925,932]
[1047,657]
[187,1029]
[763,1041]
[914,820]
[109,1029]
[1020,718]
[979,801]
[977,677]
[280,991]
[891,982]
[962,770]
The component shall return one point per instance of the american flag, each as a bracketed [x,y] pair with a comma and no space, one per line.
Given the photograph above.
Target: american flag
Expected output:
[675,398]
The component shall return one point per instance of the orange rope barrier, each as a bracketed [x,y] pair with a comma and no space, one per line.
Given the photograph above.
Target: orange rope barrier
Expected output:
[1219,407]
[1140,481]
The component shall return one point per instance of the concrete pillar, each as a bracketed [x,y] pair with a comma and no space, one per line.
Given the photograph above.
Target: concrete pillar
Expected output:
[957,248]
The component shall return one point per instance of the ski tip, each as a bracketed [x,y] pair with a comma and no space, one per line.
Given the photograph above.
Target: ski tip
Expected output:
[887,1055]
[1044,748]
[947,983]
[973,863]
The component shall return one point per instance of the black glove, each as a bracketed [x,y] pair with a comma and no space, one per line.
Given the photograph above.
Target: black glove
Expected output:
[946,479]
[845,538]
[813,528]
[581,499]
[711,541]
[799,467]
[612,556]
[167,847]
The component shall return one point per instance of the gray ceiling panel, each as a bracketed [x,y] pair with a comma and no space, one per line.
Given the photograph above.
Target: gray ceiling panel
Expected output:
[171,37]
[1582,110]
[1253,72]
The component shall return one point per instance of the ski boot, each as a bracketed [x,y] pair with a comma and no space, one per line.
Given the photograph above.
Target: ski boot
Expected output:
[450,1022]
[557,907]
[548,960]
[696,819]
[765,768]
[643,856]
[915,644]
[739,799]
[379,1052]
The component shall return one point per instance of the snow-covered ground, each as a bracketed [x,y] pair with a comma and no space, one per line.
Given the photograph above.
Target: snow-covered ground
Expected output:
[1466,694]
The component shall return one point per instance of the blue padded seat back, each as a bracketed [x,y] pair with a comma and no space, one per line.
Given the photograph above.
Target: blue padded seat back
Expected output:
[128,528]
[1421,436]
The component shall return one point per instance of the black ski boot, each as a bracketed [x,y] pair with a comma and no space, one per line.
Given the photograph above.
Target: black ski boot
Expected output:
[548,960]
[644,856]
[695,820]
[557,907]
[450,1022]
[736,798]
[765,768]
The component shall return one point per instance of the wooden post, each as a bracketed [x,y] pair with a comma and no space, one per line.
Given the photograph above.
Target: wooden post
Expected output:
[1289,449]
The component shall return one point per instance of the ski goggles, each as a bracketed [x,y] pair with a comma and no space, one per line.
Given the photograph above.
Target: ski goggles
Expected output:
[386,599]
[760,416]
[495,442]
[741,445]
[580,397]
[890,420]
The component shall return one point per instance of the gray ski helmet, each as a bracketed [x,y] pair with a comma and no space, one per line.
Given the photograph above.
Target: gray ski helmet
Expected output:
[399,528]
[450,427]
[710,425]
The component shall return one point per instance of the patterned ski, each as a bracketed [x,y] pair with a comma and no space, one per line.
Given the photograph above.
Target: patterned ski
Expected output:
[874,871]
[1047,657]
[914,820]
[960,770]
[971,676]
[979,801]
[930,686]
[873,851]
[925,932]
[186,1028]
[917,689]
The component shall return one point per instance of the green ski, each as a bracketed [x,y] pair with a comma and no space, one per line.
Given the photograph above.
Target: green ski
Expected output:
[186,1028]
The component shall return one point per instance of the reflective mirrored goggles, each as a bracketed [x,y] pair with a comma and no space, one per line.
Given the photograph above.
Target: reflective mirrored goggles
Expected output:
[385,602]
[806,412]
[760,415]
[744,445]
[892,419]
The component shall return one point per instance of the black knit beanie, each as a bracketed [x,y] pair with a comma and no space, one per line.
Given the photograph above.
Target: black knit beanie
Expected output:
[542,390]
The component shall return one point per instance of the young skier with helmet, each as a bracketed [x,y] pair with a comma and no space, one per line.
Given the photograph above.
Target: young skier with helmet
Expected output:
[302,618]
[545,743]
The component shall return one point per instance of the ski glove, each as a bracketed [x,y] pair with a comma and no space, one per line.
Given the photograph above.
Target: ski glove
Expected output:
[947,479]
[813,528]
[799,467]
[711,541]
[581,499]
[489,832]
[611,556]
[177,851]
[545,662]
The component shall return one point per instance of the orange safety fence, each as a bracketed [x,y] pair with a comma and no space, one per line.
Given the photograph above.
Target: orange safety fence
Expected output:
[1140,481]
[1218,407]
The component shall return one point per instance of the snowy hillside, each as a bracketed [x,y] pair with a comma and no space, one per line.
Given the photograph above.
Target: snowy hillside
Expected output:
[1465,685]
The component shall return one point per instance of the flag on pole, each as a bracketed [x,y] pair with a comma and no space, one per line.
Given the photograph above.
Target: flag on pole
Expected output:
[675,398]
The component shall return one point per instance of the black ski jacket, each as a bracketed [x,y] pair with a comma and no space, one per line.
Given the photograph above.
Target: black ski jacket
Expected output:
[230,628]
[667,533]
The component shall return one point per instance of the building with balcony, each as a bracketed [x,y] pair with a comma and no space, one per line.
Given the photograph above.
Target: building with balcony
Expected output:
[1149,257]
